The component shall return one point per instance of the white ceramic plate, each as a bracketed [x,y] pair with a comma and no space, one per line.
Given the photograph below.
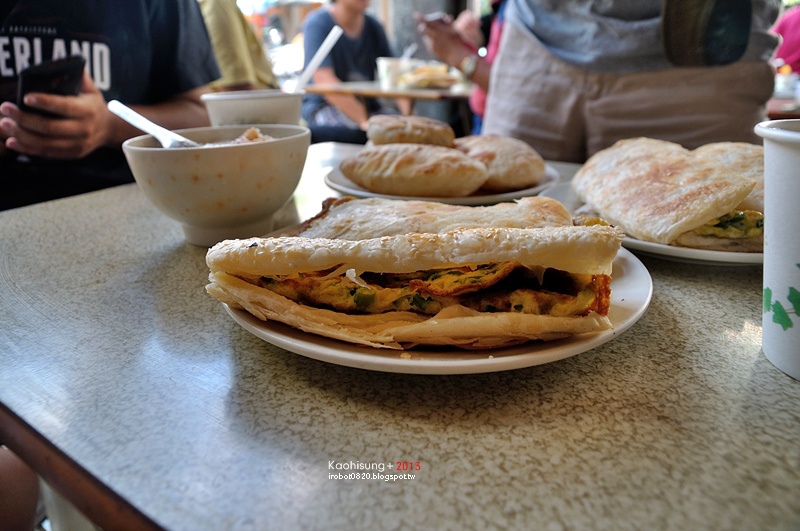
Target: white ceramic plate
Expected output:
[336,180]
[563,192]
[631,288]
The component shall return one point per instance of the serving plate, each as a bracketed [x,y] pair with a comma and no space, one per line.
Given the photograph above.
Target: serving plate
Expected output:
[564,193]
[336,180]
[631,288]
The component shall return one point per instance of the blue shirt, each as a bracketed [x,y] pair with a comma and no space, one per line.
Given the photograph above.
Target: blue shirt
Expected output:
[620,35]
[351,59]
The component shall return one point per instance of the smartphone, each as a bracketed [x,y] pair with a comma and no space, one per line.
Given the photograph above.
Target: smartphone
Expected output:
[61,76]
[438,16]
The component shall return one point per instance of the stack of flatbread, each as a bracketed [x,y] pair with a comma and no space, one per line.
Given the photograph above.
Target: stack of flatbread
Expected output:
[476,278]
[420,157]
[658,191]
[433,76]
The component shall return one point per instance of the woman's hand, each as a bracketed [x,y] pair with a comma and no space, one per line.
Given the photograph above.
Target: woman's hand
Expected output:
[443,40]
[469,27]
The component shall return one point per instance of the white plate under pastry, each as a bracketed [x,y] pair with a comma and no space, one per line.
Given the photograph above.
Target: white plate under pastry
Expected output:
[563,192]
[631,290]
[336,180]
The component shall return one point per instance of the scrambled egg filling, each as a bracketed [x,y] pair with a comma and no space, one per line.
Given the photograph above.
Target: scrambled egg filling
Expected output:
[501,287]
[736,224]
[585,220]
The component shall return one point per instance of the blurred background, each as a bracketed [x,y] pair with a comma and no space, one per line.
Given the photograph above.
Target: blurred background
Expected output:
[280,24]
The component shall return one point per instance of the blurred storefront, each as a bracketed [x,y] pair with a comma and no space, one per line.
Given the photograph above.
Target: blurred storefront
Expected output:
[280,23]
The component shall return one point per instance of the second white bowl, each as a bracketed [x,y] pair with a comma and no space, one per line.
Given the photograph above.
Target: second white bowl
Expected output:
[253,107]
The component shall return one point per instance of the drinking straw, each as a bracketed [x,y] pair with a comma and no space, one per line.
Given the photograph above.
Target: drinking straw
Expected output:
[323,51]
[409,51]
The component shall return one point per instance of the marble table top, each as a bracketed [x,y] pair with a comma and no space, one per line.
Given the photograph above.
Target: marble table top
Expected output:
[118,372]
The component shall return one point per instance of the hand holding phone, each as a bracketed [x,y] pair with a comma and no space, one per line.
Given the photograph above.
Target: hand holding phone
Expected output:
[62,77]
[438,16]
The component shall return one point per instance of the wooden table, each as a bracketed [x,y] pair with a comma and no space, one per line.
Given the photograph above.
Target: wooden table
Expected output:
[371,89]
[132,392]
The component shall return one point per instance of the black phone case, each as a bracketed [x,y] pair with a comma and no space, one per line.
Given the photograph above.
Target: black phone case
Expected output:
[62,77]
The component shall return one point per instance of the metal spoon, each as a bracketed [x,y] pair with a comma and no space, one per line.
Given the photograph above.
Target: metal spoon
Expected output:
[168,139]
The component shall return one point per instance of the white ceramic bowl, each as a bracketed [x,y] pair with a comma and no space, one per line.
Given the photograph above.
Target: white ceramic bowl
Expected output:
[225,191]
[253,107]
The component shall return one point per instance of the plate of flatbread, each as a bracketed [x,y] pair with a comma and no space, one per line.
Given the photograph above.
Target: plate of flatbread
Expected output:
[384,285]
[336,180]
[420,158]
[632,289]
[699,205]
[564,193]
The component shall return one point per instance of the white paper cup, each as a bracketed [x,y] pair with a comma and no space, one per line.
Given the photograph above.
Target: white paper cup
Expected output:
[781,319]
[390,69]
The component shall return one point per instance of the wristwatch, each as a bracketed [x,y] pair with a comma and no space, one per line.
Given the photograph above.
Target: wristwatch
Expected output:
[468,65]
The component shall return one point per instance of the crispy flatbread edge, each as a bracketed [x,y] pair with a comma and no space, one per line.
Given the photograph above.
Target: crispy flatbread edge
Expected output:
[580,250]
[671,234]
[754,244]
[455,326]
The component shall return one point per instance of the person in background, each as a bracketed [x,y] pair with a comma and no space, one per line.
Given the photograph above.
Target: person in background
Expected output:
[788,27]
[154,55]
[238,49]
[457,43]
[573,77]
[353,58]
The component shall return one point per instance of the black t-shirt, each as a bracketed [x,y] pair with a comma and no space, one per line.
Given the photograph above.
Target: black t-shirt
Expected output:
[136,51]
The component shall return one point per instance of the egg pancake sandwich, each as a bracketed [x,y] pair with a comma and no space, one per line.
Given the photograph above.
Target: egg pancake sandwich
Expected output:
[657,191]
[478,287]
